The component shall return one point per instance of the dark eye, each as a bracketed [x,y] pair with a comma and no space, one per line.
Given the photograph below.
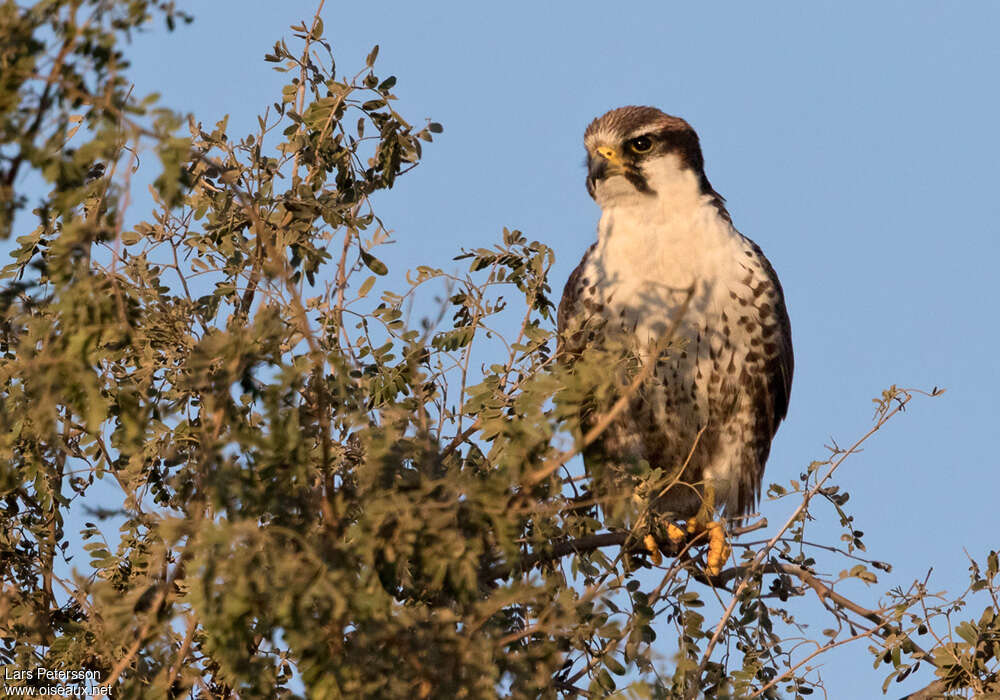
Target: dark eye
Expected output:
[640,144]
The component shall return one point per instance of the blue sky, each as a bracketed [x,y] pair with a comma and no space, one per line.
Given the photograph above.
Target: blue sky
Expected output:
[855,142]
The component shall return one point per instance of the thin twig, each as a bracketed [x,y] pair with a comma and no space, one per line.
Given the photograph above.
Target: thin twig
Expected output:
[792,519]
[182,652]
[822,648]
[588,544]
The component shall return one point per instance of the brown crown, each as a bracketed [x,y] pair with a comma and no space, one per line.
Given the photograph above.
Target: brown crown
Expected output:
[627,120]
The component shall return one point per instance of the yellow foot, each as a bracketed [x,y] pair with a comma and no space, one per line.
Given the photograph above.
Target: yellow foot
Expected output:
[718,547]
[654,550]
[675,534]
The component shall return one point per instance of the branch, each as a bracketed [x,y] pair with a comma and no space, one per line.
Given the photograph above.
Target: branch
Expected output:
[558,551]
[175,669]
[300,98]
[821,649]
[885,414]
[153,618]
[46,99]
[140,639]
[937,689]
[883,626]
[807,577]
[589,544]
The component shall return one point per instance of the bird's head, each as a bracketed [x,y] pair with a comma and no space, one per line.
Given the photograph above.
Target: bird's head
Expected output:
[633,152]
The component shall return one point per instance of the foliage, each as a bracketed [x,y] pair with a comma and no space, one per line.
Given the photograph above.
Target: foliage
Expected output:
[313,490]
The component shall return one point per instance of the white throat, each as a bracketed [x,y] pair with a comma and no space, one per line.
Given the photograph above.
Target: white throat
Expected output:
[674,188]
[656,246]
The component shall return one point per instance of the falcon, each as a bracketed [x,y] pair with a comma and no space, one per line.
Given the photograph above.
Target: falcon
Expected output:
[671,282]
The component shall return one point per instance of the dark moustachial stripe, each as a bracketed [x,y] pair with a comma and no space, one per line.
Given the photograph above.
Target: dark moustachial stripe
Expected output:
[638,180]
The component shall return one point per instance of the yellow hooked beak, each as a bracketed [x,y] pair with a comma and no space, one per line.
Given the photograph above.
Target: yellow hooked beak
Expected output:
[611,155]
[606,162]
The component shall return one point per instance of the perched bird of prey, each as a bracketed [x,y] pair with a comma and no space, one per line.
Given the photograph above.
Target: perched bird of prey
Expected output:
[668,261]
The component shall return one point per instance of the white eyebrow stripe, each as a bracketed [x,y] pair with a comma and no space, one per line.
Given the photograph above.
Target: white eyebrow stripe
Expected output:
[645,131]
[609,136]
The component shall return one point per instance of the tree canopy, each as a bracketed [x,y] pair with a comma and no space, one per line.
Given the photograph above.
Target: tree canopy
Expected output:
[314,490]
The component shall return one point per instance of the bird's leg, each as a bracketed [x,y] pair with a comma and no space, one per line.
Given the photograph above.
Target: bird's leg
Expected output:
[653,548]
[675,535]
[656,546]
[704,521]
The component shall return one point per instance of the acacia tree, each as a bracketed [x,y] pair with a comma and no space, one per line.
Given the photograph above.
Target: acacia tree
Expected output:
[312,491]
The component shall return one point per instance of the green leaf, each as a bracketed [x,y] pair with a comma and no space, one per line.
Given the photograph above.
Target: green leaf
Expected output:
[373,263]
[604,681]
[614,665]
[968,632]
[366,286]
